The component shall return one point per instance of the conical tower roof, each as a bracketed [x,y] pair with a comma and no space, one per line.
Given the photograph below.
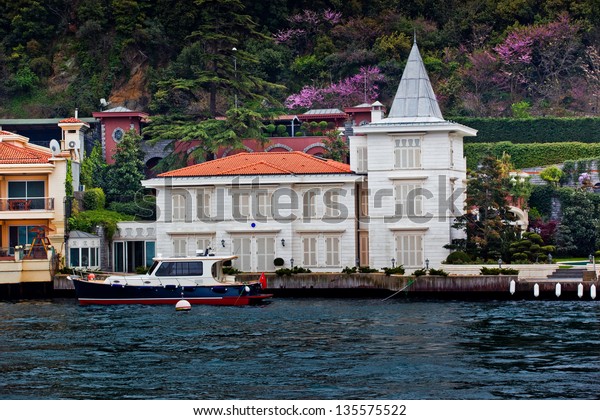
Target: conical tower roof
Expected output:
[414,100]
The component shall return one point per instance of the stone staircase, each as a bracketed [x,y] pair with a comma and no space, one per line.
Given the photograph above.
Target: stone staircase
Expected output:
[567,274]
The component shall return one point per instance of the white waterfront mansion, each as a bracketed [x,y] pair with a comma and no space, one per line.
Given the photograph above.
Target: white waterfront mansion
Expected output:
[394,204]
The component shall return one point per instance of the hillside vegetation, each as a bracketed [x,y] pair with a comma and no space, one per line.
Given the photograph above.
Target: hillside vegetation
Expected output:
[200,58]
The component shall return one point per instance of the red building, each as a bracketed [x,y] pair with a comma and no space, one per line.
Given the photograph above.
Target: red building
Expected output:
[114,123]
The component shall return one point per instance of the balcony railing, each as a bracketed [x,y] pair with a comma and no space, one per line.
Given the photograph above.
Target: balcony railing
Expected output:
[26,204]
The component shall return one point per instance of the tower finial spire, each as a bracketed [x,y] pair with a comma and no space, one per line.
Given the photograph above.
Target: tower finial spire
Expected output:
[414,35]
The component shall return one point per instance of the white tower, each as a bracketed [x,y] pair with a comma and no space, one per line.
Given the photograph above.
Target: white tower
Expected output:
[416,172]
[73,136]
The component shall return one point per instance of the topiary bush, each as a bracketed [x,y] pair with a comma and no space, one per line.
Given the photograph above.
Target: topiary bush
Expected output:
[458,257]
[94,199]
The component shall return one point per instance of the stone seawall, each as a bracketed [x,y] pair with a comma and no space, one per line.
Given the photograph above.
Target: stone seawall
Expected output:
[438,287]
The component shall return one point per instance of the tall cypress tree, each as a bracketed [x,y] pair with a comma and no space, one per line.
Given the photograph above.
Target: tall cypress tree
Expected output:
[123,178]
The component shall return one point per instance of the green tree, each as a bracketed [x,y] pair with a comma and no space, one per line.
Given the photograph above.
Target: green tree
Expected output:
[577,232]
[215,62]
[211,134]
[93,168]
[552,175]
[337,149]
[123,178]
[489,227]
[69,180]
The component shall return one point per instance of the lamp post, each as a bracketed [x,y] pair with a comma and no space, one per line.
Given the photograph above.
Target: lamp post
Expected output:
[593,261]
[292,262]
[235,74]
[427,263]
[500,263]
[393,263]
[282,242]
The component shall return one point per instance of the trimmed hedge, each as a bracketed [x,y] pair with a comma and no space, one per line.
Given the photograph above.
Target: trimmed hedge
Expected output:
[531,155]
[533,130]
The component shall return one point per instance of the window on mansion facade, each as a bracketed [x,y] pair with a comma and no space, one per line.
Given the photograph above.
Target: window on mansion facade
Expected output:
[204,203]
[409,199]
[409,249]
[309,203]
[178,208]
[407,153]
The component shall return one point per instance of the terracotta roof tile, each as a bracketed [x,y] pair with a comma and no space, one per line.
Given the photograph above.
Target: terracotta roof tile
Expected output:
[263,163]
[71,120]
[11,154]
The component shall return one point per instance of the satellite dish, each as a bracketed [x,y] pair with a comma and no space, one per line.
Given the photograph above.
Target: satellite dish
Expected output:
[54,146]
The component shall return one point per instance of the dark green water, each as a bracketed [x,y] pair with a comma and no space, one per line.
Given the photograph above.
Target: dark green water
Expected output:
[302,349]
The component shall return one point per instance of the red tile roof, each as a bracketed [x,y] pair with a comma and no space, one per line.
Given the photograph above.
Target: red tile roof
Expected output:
[71,120]
[263,163]
[11,154]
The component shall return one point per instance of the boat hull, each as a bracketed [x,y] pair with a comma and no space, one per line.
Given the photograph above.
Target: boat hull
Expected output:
[95,293]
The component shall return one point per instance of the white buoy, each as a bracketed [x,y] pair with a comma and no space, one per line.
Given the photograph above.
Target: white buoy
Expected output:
[246,289]
[513,287]
[536,290]
[183,305]
[558,289]
[593,291]
[580,290]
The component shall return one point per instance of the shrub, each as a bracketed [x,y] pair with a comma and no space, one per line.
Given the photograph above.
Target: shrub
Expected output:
[348,270]
[367,269]
[230,270]
[420,272]
[86,221]
[270,129]
[141,269]
[142,209]
[497,271]
[440,272]
[458,257]
[291,271]
[485,271]
[281,130]
[539,129]
[534,154]
[94,199]
[396,270]
[278,262]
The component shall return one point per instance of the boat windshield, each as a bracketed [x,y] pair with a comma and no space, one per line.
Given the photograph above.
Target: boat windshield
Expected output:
[153,267]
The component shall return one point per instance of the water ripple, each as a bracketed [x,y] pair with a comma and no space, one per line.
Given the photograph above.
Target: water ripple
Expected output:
[301,349]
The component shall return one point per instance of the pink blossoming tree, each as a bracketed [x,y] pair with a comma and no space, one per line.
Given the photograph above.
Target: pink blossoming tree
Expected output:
[361,87]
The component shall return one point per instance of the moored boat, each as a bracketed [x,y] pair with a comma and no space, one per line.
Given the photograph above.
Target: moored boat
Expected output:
[198,280]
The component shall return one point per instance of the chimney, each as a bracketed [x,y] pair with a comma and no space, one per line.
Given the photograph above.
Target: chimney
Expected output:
[76,113]
[376,111]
